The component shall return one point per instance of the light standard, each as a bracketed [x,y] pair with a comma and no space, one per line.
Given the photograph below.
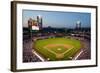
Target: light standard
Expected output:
[30,22]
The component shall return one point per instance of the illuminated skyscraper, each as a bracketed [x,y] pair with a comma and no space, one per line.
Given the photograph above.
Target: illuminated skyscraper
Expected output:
[39,21]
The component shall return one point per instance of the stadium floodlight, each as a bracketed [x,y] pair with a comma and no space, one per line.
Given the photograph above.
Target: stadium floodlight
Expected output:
[39,16]
[78,24]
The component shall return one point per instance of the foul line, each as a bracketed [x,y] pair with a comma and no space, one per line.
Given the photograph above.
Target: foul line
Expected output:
[68,50]
[38,56]
[51,51]
[78,55]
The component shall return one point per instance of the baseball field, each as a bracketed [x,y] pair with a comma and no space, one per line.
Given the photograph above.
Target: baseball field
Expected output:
[53,49]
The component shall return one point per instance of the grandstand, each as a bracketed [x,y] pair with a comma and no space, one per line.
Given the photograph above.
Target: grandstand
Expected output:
[29,43]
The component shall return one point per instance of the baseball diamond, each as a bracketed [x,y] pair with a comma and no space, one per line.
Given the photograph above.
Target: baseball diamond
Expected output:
[57,48]
[56,35]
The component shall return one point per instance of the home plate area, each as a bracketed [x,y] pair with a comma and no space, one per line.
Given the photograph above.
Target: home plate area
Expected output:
[59,56]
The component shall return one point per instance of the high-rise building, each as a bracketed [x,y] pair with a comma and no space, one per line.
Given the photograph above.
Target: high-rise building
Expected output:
[39,21]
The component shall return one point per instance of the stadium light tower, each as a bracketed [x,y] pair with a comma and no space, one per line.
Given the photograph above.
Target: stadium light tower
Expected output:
[39,21]
[78,25]
[30,21]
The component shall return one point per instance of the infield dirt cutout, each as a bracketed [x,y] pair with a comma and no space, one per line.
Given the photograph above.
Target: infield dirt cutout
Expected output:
[56,45]
[58,55]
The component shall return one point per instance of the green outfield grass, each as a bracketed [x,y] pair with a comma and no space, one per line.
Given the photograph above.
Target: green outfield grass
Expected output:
[57,48]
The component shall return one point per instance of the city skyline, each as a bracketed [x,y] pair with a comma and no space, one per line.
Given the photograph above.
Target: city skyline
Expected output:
[58,19]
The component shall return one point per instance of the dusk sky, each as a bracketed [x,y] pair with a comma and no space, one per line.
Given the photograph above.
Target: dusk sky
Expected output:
[58,19]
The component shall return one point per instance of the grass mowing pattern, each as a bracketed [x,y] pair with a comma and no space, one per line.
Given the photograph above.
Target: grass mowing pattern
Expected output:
[52,52]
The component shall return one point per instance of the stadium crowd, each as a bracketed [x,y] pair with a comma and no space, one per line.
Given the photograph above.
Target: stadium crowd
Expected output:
[28,56]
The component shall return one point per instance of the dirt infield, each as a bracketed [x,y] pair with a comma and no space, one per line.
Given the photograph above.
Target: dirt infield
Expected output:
[58,55]
[55,45]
